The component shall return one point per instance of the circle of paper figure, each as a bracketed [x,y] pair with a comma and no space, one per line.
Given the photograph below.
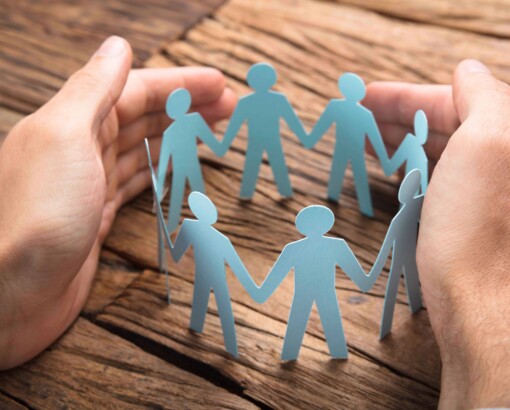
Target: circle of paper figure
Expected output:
[315,257]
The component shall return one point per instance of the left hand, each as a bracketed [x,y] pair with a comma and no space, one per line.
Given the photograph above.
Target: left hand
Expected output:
[65,171]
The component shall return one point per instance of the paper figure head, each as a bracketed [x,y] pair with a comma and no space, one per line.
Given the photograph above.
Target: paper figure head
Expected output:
[421,127]
[352,87]
[203,208]
[314,220]
[261,76]
[178,103]
[409,186]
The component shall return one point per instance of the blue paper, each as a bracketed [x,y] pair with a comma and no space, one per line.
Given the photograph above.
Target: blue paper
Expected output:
[314,260]
[412,152]
[262,111]
[401,238]
[180,146]
[353,124]
[211,250]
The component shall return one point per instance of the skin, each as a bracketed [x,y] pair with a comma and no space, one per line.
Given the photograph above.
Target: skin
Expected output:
[54,214]
[65,170]
[463,244]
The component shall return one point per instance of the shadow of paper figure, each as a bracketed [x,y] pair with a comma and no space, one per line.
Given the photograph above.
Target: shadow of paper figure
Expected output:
[180,146]
[212,250]
[401,237]
[353,124]
[412,152]
[314,260]
[262,110]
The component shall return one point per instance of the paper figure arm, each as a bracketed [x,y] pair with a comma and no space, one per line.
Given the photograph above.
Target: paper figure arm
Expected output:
[164,158]
[351,266]
[377,142]
[400,156]
[293,121]
[236,121]
[325,121]
[279,271]
[207,136]
[183,241]
[237,266]
[384,252]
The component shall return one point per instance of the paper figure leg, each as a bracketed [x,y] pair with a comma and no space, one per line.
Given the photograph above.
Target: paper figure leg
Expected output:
[359,171]
[296,327]
[281,174]
[424,178]
[412,282]
[336,176]
[196,181]
[251,171]
[227,318]
[201,294]
[176,197]
[332,323]
[161,248]
[390,298]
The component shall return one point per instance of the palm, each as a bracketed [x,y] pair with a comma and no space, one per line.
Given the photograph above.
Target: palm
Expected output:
[89,167]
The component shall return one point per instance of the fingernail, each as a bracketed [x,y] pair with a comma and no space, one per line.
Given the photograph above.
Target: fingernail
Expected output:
[475,66]
[111,47]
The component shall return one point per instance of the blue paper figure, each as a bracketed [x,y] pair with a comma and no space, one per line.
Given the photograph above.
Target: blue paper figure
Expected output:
[180,144]
[353,123]
[402,237]
[212,250]
[314,260]
[412,152]
[262,110]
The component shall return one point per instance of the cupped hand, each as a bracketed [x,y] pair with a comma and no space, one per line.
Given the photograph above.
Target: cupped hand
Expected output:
[65,171]
[464,241]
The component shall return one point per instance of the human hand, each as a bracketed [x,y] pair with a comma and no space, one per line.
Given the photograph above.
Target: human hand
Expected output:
[64,172]
[394,106]
[464,240]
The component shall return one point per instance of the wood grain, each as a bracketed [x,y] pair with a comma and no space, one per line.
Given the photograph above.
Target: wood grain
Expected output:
[490,17]
[89,368]
[43,42]
[356,383]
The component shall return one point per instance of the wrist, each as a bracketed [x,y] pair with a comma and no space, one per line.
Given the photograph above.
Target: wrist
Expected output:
[474,341]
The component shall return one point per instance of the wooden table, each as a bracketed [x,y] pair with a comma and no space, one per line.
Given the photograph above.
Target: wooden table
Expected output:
[129,348]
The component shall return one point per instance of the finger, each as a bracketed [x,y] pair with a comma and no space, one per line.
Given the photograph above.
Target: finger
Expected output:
[153,124]
[134,187]
[394,134]
[394,102]
[133,161]
[477,91]
[147,89]
[93,90]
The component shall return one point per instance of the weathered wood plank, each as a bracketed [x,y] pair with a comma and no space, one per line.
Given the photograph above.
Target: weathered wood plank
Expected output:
[7,403]
[491,17]
[314,381]
[92,368]
[113,275]
[42,43]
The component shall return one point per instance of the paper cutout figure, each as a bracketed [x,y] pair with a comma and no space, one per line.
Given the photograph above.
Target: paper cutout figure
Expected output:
[262,110]
[163,235]
[314,260]
[212,250]
[180,145]
[401,238]
[412,152]
[353,123]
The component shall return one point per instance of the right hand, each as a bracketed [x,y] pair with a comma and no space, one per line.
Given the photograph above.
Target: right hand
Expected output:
[463,250]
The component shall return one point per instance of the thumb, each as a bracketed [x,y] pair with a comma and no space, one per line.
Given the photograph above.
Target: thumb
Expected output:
[475,89]
[93,90]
